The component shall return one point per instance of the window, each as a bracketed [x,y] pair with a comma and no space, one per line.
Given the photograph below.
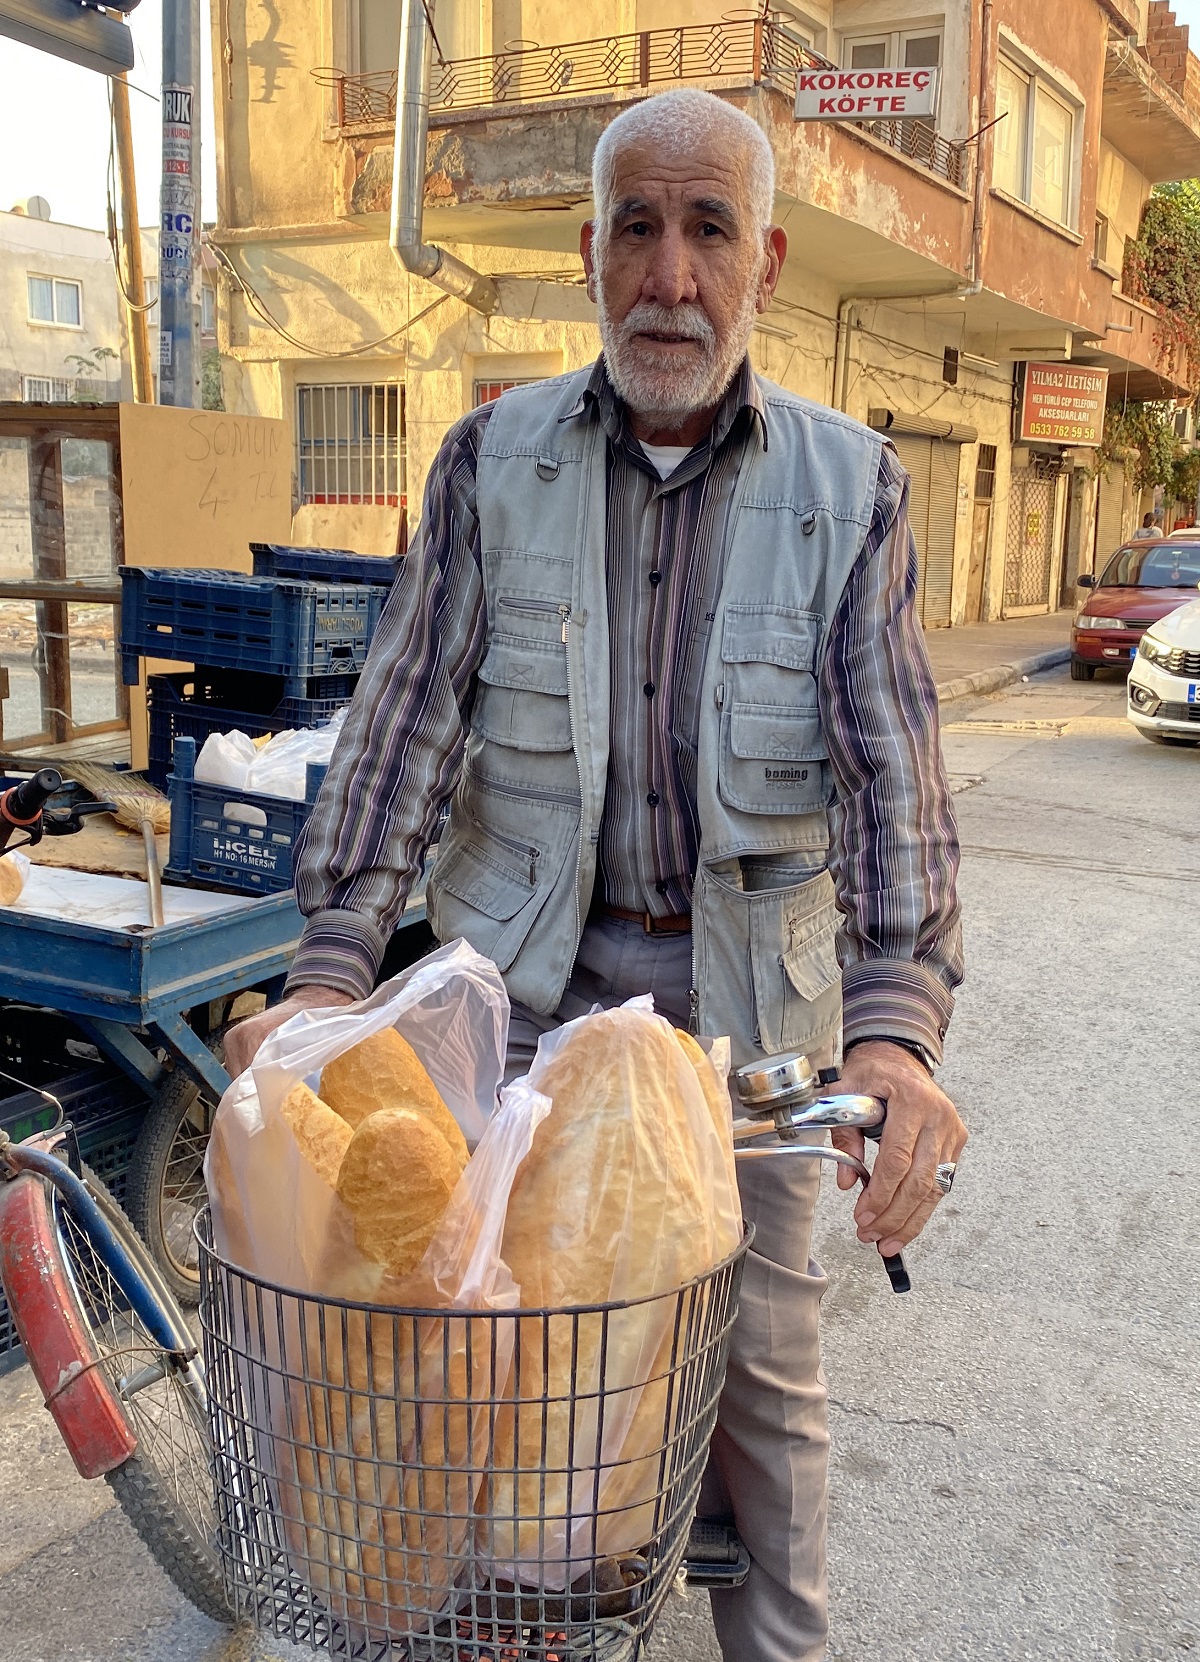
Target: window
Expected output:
[985,473]
[485,391]
[379,35]
[150,290]
[208,310]
[350,439]
[1100,245]
[55,300]
[43,389]
[899,49]
[1034,144]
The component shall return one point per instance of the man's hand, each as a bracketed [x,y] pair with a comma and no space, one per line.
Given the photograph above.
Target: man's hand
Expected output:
[244,1037]
[922,1130]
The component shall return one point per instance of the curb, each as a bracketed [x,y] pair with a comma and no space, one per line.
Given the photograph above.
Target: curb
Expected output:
[1000,675]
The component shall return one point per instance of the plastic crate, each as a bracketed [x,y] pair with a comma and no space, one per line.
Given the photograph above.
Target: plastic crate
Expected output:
[286,626]
[327,565]
[103,1104]
[195,704]
[231,839]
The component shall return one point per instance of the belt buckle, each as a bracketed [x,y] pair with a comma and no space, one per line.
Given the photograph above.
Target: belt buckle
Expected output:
[649,924]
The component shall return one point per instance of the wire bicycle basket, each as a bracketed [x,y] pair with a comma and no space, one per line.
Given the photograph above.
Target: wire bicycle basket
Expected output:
[414,1485]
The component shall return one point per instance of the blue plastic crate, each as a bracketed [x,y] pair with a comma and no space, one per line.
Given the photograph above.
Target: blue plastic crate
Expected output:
[204,701]
[326,565]
[286,626]
[233,839]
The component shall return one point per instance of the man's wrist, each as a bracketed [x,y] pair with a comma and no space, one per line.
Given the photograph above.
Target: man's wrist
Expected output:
[925,1057]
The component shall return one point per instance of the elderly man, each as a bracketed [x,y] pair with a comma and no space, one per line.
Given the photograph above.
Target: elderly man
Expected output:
[655,642]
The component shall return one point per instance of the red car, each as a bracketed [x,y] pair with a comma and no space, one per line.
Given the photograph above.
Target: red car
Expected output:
[1144,580]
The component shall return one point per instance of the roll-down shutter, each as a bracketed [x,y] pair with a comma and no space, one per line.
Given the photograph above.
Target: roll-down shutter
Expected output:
[932,465]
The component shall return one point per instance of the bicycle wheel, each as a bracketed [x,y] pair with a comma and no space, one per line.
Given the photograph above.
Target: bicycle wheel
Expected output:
[165,1487]
[164,1190]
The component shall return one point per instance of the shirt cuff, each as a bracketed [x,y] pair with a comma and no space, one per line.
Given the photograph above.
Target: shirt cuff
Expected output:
[338,949]
[893,998]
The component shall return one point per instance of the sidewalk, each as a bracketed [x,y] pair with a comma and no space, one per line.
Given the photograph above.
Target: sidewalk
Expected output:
[982,657]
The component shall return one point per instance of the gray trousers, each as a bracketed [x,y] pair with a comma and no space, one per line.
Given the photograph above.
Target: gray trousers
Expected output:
[768,1468]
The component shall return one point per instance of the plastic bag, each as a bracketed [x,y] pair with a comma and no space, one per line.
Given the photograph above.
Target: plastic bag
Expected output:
[631,1193]
[224,758]
[280,767]
[372,1426]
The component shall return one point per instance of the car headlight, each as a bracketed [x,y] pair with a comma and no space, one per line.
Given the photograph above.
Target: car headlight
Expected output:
[1155,652]
[1085,622]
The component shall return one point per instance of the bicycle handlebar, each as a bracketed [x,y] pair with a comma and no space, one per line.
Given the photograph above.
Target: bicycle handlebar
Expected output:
[21,806]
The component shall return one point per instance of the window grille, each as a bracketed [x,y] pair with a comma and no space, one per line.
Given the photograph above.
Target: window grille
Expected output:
[350,441]
[486,391]
[985,473]
[45,389]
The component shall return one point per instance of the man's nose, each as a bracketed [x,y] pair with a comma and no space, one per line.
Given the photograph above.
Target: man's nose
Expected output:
[670,280]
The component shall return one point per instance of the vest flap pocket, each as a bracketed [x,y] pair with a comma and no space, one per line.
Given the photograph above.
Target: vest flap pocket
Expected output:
[770,635]
[486,879]
[774,733]
[525,666]
[811,962]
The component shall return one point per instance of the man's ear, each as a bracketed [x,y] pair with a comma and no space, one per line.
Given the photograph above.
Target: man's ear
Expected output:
[775,253]
[587,237]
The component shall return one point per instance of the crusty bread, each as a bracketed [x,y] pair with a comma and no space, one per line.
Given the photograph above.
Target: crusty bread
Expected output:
[12,881]
[322,1135]
[396,1178]
[616,1200]
[385,1072]
[716,1095]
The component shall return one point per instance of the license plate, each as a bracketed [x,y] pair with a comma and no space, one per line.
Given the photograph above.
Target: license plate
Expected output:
[1194,693]
[1132,652]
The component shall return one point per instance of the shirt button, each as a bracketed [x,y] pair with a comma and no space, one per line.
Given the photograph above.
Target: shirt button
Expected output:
[662,887]
[648,689]
[652,799]
[655,578]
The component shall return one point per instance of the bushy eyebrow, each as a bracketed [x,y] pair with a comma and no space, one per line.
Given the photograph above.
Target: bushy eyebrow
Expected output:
[715,208]
[630,205]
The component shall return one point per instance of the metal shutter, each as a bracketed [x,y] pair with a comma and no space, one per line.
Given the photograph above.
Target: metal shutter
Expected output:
[932,465]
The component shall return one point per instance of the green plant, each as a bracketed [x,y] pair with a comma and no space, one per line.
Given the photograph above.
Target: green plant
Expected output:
[1162,268]
[91,365]
[1142,437]
[212,389]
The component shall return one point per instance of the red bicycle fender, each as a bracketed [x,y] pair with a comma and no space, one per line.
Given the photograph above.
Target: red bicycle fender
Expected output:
[58,1344]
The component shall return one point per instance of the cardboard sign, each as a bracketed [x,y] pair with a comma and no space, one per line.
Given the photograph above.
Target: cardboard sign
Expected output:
[1063,404]
[864,94]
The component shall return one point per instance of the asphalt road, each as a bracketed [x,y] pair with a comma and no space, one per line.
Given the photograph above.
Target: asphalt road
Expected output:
[1016,1444]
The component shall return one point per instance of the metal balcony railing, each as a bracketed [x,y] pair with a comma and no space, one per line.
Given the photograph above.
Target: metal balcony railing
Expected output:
[753,50]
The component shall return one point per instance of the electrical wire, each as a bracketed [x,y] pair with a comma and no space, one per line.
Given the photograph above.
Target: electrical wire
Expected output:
[110,188]
[260,309]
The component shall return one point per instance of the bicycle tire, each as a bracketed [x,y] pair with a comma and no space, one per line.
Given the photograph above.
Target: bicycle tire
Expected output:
[164,1188]
[176,1533]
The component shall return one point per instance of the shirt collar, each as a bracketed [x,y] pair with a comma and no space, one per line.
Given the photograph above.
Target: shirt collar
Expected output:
[600,397]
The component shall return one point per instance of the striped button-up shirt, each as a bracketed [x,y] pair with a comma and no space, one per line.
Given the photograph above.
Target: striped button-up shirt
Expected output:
[894,850]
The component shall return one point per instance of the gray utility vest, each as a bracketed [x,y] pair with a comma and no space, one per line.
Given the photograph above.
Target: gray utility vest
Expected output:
[517,861]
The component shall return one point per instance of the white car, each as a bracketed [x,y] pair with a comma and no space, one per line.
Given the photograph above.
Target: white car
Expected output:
[1163,689]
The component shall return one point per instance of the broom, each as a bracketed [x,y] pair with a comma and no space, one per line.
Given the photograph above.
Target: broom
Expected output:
[138,805]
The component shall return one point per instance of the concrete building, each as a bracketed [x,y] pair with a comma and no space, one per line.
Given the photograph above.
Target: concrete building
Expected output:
[60,330]
[931,258]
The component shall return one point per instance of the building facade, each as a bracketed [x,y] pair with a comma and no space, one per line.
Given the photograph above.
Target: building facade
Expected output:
[931,258]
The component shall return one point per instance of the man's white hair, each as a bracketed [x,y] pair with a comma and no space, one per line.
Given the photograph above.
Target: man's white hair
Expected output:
[675,122]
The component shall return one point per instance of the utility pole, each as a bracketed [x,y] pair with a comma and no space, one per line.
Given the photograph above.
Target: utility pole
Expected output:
[179,219]
[135,288]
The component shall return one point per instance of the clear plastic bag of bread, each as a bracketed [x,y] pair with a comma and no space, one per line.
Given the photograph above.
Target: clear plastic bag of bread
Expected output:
[338,1167]
[629,1192]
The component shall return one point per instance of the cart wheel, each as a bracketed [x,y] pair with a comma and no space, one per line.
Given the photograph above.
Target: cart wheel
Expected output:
[164,1191]
[165,1487]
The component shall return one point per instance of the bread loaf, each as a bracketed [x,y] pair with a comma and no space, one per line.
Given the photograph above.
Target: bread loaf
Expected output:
[323,1136]
[12,881]
[384,1072]
[619,1198]
[396,1179]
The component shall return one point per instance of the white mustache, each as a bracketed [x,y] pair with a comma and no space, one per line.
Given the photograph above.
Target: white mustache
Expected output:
[686,321]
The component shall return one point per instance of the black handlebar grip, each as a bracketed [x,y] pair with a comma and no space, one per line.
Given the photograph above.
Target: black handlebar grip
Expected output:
[897,1274]
[25,802]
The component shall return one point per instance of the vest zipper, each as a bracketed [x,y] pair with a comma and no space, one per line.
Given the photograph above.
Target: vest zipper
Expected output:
[693,1010]
[523,849]
[527,793]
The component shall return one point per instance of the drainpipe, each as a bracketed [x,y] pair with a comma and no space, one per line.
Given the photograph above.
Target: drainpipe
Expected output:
[980,202]
[423,259]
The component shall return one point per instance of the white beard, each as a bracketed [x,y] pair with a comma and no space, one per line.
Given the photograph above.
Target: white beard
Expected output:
[670,393]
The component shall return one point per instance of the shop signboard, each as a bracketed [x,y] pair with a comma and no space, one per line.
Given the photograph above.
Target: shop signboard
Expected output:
[865,94]
[1063,404]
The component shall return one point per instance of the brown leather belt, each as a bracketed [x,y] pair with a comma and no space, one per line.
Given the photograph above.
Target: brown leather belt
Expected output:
[680,924]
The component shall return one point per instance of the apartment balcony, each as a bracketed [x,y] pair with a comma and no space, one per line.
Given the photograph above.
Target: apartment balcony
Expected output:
[878,207]
[1151,108]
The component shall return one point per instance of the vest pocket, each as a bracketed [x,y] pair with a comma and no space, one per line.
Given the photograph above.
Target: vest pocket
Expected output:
[489,889]
[772,758]
[521,696]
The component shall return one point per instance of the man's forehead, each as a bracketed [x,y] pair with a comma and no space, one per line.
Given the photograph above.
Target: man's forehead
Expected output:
[647,173]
